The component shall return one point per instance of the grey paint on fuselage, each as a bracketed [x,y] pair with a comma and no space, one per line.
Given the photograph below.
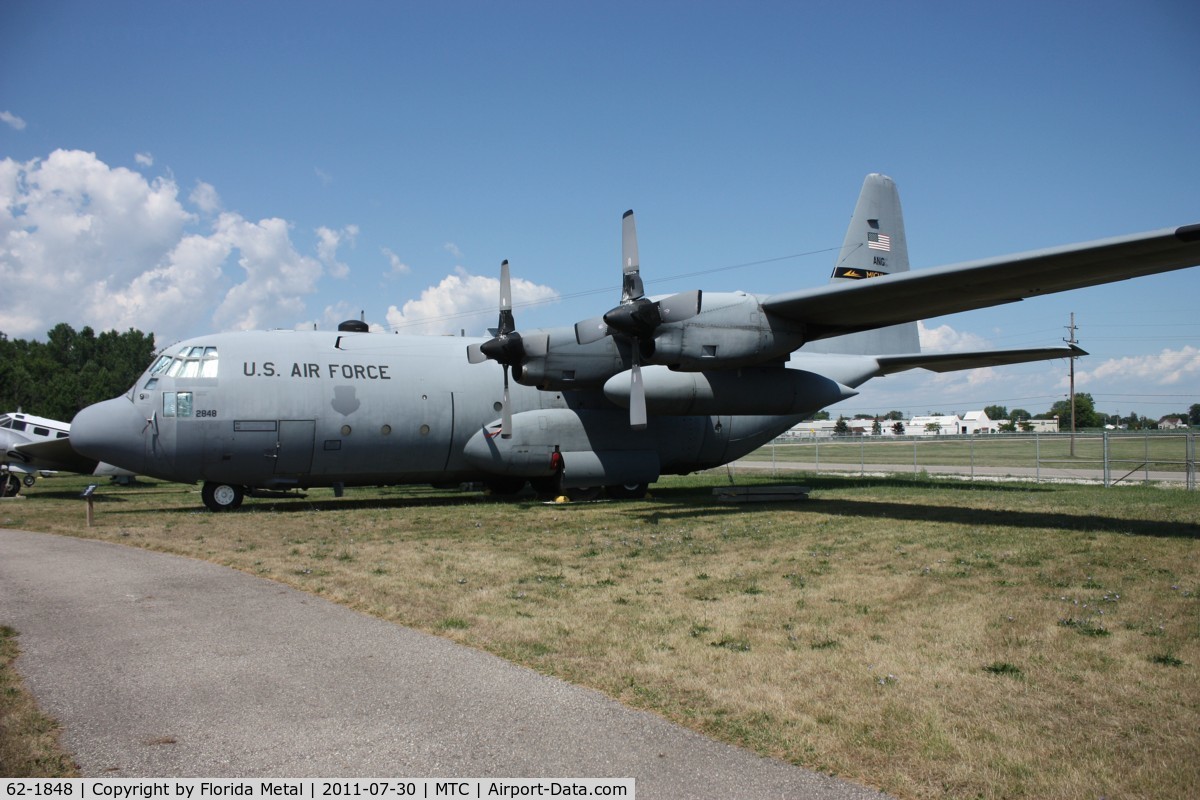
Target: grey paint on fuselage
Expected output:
[298,408]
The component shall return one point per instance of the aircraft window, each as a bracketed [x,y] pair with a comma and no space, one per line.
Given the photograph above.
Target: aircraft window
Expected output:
[41,431]
[210,352]
[6,423]
[18,425]
[160,365]
[208,367]
[196,352]
[150,384]
[61,435]
[168,404]
[176,367]
[191,368]
[184,404]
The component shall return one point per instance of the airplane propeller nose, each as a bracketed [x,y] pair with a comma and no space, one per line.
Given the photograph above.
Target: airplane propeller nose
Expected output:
[111,431]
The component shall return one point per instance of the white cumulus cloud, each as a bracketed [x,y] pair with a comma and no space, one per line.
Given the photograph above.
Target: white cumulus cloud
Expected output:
[87,243]
[12,120]
[1162,369]
[398,267]
[944,339]
[205,198]
[462,301]
[328,241]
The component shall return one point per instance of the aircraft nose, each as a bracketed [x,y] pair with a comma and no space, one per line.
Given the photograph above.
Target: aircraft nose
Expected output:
[111,431]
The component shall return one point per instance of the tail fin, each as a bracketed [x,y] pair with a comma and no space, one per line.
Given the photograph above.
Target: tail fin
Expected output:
[875,245]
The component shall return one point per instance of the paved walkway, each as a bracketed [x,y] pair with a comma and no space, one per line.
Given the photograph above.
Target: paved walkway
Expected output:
[162,666]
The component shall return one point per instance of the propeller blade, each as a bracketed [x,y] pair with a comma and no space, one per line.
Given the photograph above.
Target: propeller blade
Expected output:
[631,280]
[679,306]
[637,393]
[475,354]
[591,330]
[506,415]
[507,323]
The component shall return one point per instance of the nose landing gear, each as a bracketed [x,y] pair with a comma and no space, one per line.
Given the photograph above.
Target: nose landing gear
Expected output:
[222,496]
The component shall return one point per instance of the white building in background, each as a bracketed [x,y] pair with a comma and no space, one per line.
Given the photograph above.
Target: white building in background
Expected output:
[934,425]
[969,424]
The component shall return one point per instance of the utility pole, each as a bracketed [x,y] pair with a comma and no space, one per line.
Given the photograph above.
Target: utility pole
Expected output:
[1072,341]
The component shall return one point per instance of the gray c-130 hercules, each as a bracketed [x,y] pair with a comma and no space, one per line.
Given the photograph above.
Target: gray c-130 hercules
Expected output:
[656,386]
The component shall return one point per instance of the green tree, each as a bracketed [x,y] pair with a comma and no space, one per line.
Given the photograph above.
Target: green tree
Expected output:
[841,428]
[70,370]
[1193,416]
[996,412]
[898,427]
[1085,412]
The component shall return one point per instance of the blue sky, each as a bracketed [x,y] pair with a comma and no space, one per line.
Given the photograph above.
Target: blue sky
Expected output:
[189,167]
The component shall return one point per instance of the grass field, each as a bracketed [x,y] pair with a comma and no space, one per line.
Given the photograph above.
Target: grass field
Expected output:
[932,639]
[1128,454]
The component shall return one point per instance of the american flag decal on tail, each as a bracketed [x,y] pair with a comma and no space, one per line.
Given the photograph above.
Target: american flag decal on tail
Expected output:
[879,241]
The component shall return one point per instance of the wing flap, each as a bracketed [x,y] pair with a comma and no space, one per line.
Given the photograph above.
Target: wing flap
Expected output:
[870,303]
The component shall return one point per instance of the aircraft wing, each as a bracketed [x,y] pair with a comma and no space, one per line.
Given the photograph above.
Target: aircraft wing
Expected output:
[54,454]
[950,362]
[849,306]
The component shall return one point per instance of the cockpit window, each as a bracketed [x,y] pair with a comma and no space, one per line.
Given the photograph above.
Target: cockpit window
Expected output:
[160,365]
[177,404]
[192,362]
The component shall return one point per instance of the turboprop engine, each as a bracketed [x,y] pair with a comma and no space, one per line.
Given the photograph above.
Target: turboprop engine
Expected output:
[753,390]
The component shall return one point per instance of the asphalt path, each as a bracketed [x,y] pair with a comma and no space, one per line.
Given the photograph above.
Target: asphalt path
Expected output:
[164,666]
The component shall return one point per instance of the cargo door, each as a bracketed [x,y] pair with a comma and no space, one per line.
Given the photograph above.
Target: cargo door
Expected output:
[294,453]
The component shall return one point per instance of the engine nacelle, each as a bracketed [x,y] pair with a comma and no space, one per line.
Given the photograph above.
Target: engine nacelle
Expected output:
[555,361]
[748,391]
[732,331]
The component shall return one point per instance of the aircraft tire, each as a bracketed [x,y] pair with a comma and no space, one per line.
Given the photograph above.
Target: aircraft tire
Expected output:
[222,496]
[627,491]
[29,481]
[11,486]
[585,493]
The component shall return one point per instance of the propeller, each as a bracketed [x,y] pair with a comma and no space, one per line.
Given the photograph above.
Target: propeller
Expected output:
[506,347]
[637,318]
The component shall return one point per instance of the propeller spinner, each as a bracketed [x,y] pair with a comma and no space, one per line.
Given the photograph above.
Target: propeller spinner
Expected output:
[637,318]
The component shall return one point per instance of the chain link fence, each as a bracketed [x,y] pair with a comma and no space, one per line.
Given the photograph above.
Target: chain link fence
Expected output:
[1110,458]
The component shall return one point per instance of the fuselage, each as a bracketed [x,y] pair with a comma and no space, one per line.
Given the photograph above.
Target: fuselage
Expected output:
[285,409]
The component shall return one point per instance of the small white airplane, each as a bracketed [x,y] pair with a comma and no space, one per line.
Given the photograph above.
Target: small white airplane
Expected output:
[656,386]
[33,446]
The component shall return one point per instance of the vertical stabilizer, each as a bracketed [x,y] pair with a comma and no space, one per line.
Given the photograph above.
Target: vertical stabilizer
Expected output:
[875,245]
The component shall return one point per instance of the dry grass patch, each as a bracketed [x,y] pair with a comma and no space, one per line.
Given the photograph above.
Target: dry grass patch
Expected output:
[931,639]
[29,746]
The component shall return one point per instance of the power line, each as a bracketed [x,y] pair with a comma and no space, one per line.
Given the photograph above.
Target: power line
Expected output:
[610,289]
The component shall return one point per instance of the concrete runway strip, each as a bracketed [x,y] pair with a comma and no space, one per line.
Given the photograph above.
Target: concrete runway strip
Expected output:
[163,666]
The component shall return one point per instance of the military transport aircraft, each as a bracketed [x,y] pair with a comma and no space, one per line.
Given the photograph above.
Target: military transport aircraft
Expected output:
[656,386]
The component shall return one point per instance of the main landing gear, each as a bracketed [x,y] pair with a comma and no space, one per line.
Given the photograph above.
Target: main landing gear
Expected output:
[10,485]
[222,496]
